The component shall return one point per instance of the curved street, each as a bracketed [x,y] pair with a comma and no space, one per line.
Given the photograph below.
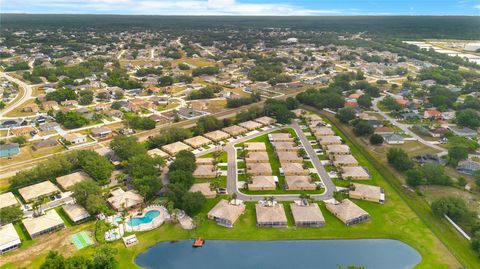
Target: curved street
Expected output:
[25,91]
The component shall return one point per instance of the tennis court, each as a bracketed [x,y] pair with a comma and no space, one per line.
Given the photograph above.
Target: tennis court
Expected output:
[81,239]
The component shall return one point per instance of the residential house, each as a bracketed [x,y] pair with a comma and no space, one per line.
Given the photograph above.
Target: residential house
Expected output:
[9,239]
[271,215]
[44,224]
[348,212]
[367,192]
[307,215]
[226,213]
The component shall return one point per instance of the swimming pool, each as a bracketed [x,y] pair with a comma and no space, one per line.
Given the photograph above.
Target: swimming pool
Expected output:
[147,218]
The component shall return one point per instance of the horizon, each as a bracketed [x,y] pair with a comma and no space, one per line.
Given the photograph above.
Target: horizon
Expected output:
[244,7]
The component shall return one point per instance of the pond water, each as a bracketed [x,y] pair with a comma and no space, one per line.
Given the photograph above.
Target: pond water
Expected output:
[304,254]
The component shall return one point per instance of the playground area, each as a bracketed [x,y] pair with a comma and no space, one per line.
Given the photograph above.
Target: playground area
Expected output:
[81,240]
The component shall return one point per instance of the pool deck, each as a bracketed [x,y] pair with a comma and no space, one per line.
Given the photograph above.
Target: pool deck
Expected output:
[155,223]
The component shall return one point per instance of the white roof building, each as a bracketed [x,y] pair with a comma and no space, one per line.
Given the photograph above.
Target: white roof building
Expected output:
[9,239]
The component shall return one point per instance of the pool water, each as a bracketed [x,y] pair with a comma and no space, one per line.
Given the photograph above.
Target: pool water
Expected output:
[147,218]
[307,254]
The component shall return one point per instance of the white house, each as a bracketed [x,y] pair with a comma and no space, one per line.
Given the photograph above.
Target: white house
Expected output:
[9,239]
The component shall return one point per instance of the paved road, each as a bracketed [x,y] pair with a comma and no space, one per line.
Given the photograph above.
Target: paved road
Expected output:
[232,179]
[405,128]
[26,94]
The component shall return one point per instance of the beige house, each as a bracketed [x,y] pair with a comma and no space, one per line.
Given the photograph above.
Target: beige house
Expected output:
[338,149]
[120,199]
[367,192]
[295,183]
[205,171]
[330,140]
[280,137]
[44,224]
[9,239]
[294,169]
[197,141]
[323,131]
[271,215]
[157,152]
[37,191]
[285,146]
[263,183]
[217,135]
[312,117]
[175,148]
[76,212]
[75,138]
[344,160]
[289,157]
[101,132]
[259,169]
[257,157]
[307,215]
[265,120]
[234,130]
[205,189]
[67,181]
[354,172]
[201,161]
[7,199]
[348,212]
[226,213]
[254,146]
[250,125]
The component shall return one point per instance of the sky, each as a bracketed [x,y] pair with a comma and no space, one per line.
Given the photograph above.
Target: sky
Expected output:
[245,7]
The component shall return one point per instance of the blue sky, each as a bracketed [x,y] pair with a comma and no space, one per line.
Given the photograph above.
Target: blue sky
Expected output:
[245,7]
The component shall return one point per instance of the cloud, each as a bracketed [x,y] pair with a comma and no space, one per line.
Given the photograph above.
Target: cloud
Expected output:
[162,7]
[477,6]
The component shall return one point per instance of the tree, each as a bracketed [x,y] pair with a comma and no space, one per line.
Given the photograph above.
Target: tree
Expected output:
[468,118]
[453,207]
[127,146]
[10,214]
[54,260]
[165,81]
[184,160]
[21,140]
[414,177]
[399,159]
[184,178]
[104,257]
[278,109]
[147,186]
[97,166]
[192,202]
[142,165]
[391,103]
[89,194]
[346,114]
[365,101]
[376,139]
[86,97]
[456,154]
[362,128]
[434,174]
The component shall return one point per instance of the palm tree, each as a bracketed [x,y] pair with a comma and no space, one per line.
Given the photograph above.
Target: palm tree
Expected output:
[248,178]
[304,196]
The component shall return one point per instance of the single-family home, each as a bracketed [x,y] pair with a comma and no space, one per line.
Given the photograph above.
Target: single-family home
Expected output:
[394,139]
[67,181]
[234,130]
[250,125]
[175,148]
[9,239]
[307,214]
[348,212]
[226,213]
[270,215]
[124,200]
[217,135]
[197,141]
[205,171]
[101,132]
[204,188]
[259,169]
[354,173]
[367,192]
[254,146]
[262,183]
[37,191]
[75,138]
[265,120]
[257,157]
[76,212]
[295,183]
[7,199]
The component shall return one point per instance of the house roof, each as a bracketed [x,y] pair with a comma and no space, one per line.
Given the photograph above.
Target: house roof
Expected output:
[8,235]
[39,224]
[323,131]
[205,170]
[7,199]
[256,156]
[268,214]
[265,120]
[175,147]
[342,149]
[197,141]
[73,136]
[259,168]
[69,180]
[250,125]
[234,130]
[75,212]
[345,159]
[354,172]
[204,161]
[255,146]
[157,152]
[101,130]
[293,168]
[217,135]
[124,199]
[368,191]
[32,192]
[346,210]
[263,182]
[280,137]
[330,139]
[306,213]
[288,156]
[226,210]
[299,182]
[204,188]
[279,146]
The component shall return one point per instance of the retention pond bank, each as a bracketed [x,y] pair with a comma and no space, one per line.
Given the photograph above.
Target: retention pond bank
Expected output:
[305,254]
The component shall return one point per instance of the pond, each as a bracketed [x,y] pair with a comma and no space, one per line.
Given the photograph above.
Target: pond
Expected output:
[304,254]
